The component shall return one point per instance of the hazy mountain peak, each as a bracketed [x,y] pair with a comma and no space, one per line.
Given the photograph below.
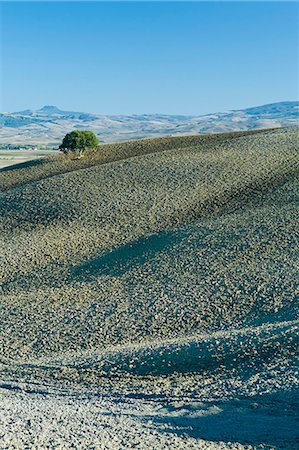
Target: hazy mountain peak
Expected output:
[49,109]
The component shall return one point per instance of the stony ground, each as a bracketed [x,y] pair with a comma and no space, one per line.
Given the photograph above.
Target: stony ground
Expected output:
[152,301]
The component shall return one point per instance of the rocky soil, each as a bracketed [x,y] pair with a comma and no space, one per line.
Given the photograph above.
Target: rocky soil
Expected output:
[150,299]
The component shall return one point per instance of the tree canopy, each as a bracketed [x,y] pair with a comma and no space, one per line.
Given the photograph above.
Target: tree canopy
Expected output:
[79,140]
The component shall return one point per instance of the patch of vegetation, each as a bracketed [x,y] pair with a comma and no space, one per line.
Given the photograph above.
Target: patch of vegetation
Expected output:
[79,141]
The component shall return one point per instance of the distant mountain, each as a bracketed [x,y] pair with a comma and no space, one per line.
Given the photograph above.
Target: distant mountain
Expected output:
[49,124]
[50,109]
[275,109]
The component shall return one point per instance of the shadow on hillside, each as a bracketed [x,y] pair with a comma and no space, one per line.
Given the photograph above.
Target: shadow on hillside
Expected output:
[126,257]
[120,260]
[268,419]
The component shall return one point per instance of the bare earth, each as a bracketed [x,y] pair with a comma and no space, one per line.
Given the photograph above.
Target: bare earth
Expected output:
[149,296]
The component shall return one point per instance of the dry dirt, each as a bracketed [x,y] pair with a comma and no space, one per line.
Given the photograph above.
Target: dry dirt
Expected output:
[151,301]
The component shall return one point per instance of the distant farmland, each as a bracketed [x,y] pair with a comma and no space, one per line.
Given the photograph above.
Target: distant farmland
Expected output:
[12,157]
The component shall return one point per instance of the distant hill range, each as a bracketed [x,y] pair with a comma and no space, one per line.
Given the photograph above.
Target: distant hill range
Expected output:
[49,124]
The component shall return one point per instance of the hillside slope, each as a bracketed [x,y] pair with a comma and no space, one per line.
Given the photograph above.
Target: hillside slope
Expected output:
[48,125]
[170,272]
[60,163]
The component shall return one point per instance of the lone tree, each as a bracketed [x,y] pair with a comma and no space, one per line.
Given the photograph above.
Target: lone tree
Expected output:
[79,140]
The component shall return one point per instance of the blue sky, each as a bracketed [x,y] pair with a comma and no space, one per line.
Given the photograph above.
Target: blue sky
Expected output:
[139,57]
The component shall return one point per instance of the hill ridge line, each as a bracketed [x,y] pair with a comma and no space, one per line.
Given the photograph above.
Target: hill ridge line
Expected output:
[202,139]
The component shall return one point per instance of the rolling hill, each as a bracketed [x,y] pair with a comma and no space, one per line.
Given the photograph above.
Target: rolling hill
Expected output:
[49,124]
[153,284]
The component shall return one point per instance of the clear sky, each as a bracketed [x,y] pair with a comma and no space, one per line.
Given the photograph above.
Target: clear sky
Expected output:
[139,57]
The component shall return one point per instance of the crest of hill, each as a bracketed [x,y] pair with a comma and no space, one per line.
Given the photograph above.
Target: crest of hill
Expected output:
[162,271]
[197,236]
[35,170]
[198,219]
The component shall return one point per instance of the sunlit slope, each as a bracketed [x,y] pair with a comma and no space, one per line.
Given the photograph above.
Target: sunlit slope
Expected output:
[162,246]
[54,165]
